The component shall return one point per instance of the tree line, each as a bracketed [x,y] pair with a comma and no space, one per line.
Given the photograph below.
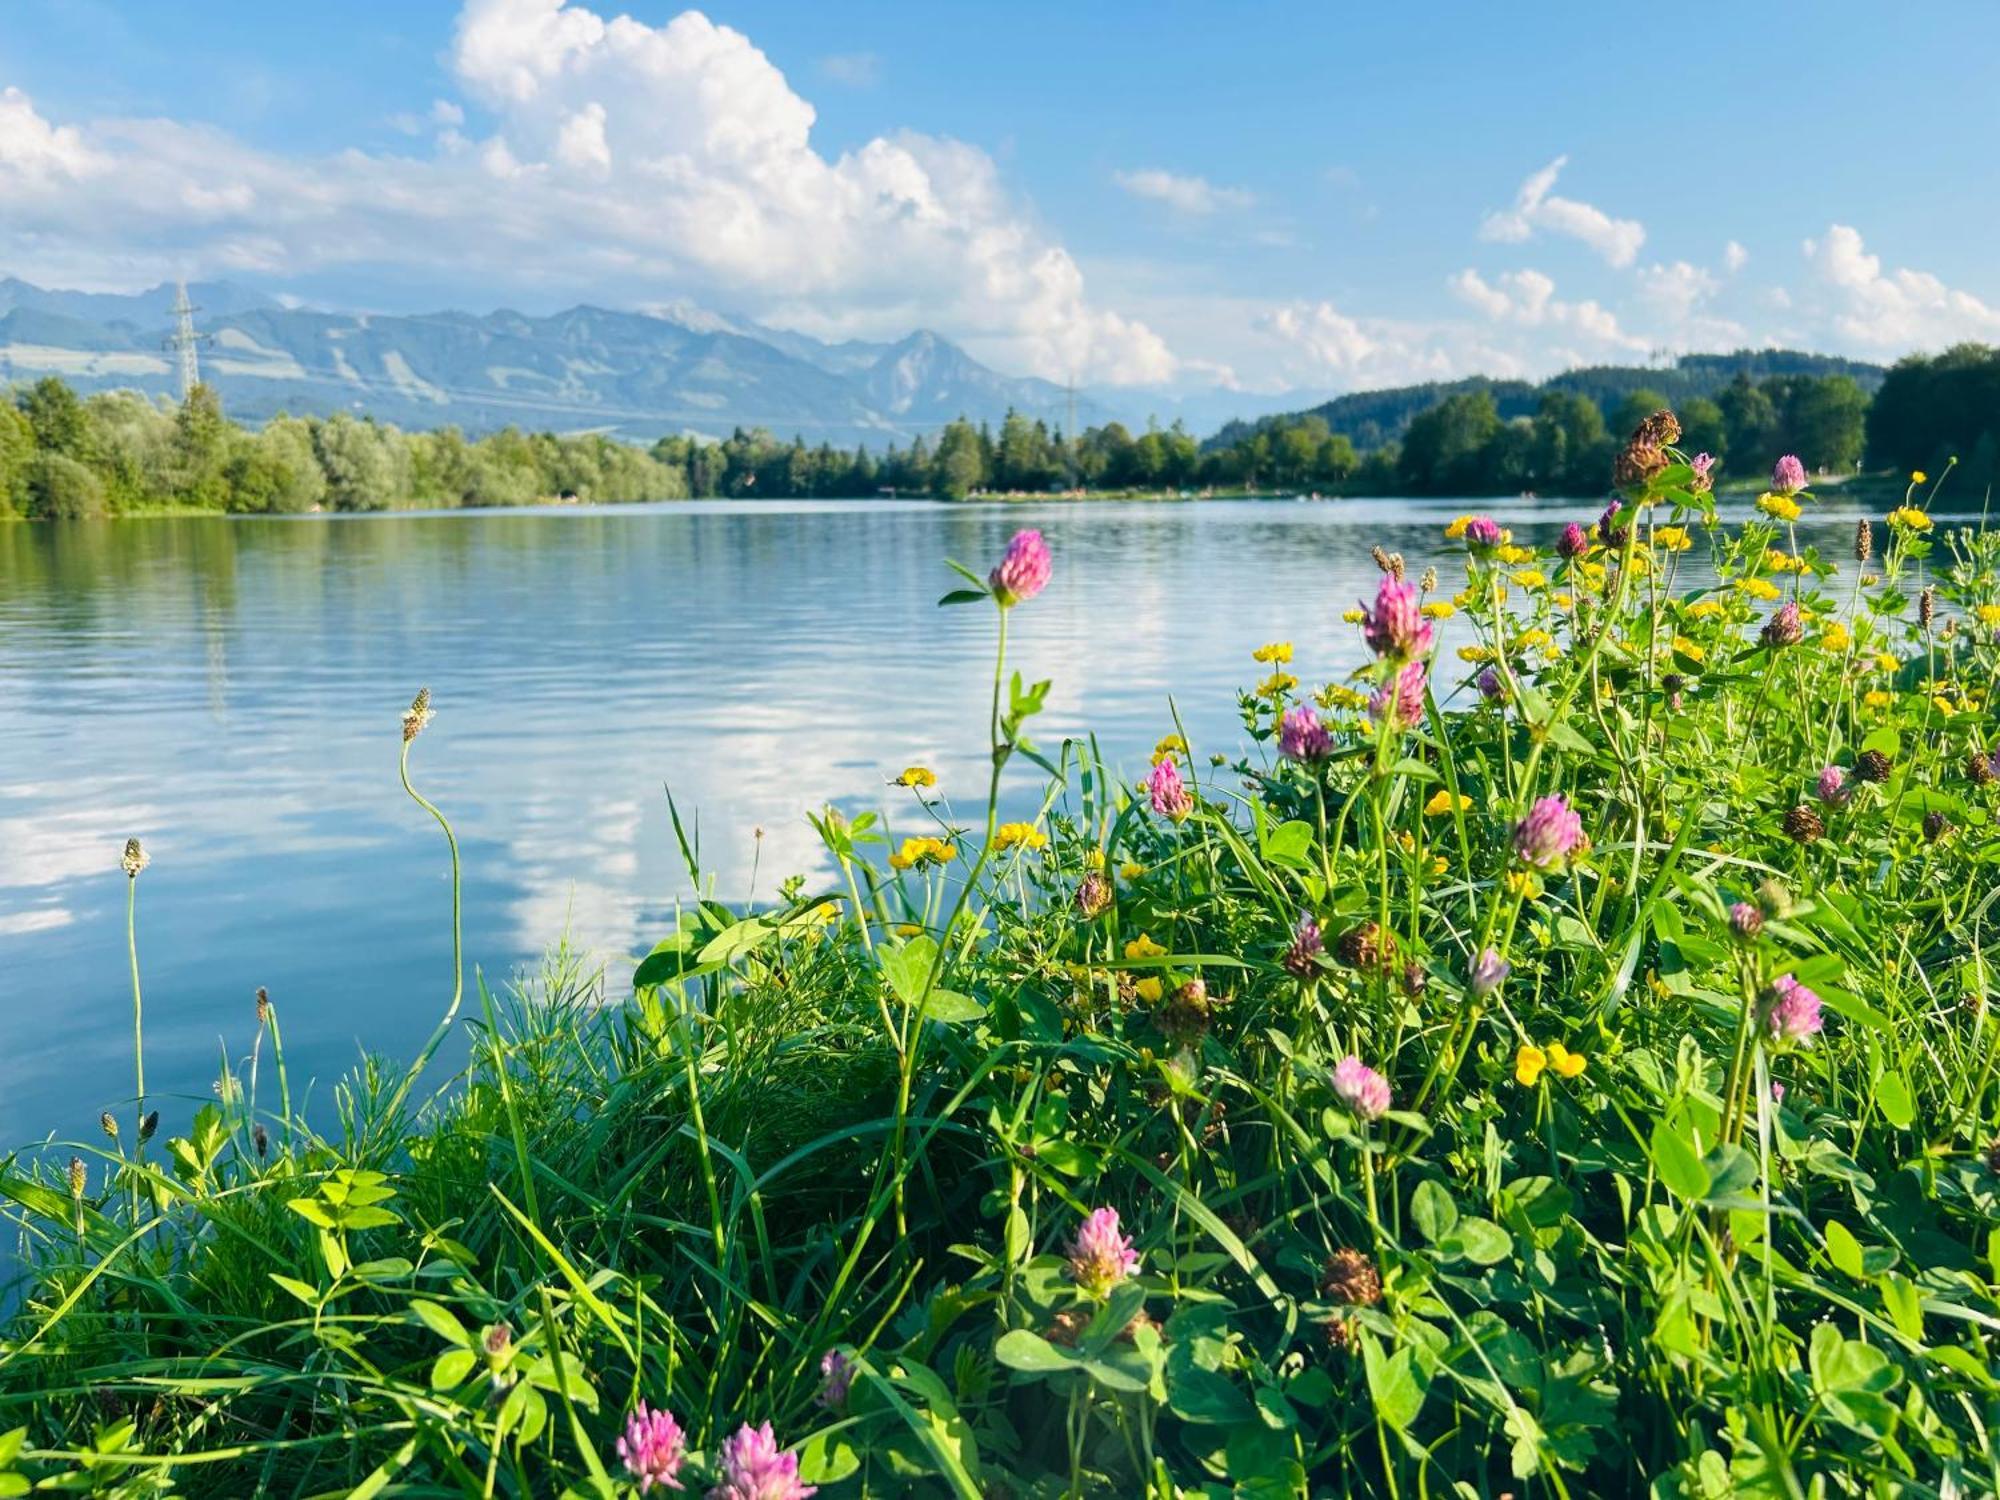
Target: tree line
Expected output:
[62,454]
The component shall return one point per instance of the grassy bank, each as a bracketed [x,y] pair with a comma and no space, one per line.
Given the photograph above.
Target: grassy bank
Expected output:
[1589,1090]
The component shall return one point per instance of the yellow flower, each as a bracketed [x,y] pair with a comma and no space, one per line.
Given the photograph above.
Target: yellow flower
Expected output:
[1886,662]
[1131,870]
[1149,989]
[1527,640]
[1523,883]
[1876,698]
[1566,1063]
[1779,507]
[917,776]
[1514,556]
[1143,947]
[1273,651]
[1442,802]
[1277,685]
[1835,638]
[1704,609]
[1758,588]
[1354,616]
[1531,578]
[1475,653]
[908,929]
[1438,865]
[1989,614]
[1564,601]
[1780,561]
[1439,609]
[1406,841]
[1689,649]
[1909,518]
[1528,1065]
[919,852]
[1169,747]
[1918,476]
[1673,538]
[1457,528]
[1019,836]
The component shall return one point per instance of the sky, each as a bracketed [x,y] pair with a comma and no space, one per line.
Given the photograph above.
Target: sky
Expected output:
[1255,198]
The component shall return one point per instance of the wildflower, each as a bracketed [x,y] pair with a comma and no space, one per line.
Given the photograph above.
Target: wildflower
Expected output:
[1131,870]
[1439,609]
[1791,1012]
[1803,826]
[1835,638]
[1143,946]
[1273,651]
[1704,473]
[1918,476]
[753,1468]
[1277,685]
[1523,883]
[1926,608]
[1483,534]
[1832,789]
[1864,540]
[1784,628]
[1396,628]
[1367,947]
[134,860]
[1876,698]
[1745,922]
[1491,688]
[1443,802]
[1100,1256]
[1758,588]
[1302,958]
[1909,518]
[1301,735]
[1489,974]
[1019,836]
[1779,507]
[1093,896]
[1149,989]
[1685,647]
[1399,703]
[917,777]
[79,1178]
[1184,1019]
[837,1371]
[1672,538]
[1457,528]
[1531,578]
[919,853]
[417,717]
[1705,609]
[1788,475]
[1355,615]
[1475,653]
[1513,556]
[1981,768]
[1548,835]
[1530,1062]
[1988,614]
[1529,640]
[107,1124]
[1023,570]
[1637,462]
[1936,826]
[1872,765]
[1361,1088]
[1169,796]
[1609,532]
[1573,543]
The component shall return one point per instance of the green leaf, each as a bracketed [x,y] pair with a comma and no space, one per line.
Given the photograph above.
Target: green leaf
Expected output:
[1432,1210]
[1892,1095]
[827,1458]
[1393,1384]
[1480,1241]
[736,940]
[964,596]
[1289,843]
[1674,1159]
[312,1211]
[1884,740]
[1906,1308]
[1843,1249]
[1198,1395]
[306,1294]
[950,1006]
[1024,1350]
[451,1368]
[907,966]
[440,1322]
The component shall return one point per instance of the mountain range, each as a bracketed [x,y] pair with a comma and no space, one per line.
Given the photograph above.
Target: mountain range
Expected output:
[638,375]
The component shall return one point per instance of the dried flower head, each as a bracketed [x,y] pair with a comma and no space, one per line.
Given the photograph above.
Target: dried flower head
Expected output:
[148,1125]
[134,859]
[1352,1279]
[261,1139]
[1926,608]
[1873,765]
[1785,627]
[1980,769]
[1803,825]
[1864,540]
[1429,582]
[1302,958]
[1093,895]
[79,1177]
[1937,826]
[418,715]
[263,1006]
[1636,464]
[1661,430]
[1367,947]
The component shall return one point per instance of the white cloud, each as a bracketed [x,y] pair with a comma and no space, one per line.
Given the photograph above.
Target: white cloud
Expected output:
[857,70]
[1184,194]
[636,160]
[1893,311]
[1536,208]
[1527,299]
[1734,257]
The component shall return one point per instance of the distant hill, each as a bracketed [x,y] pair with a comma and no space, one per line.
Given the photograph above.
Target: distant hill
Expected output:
[638,375]
[1371,418]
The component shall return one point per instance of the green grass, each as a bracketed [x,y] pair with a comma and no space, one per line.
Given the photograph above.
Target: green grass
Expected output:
[871,1118]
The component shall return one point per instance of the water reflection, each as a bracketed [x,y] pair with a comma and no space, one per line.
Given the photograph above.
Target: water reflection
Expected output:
[229,691]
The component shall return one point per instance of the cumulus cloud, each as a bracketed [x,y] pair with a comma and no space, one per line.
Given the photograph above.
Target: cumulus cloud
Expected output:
[637,160]
[1895,310]
[1734,257]
[1537,208]
[1528,299]
[1184,194]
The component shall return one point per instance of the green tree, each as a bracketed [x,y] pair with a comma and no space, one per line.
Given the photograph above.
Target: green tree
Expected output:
[1441,451]
[17,451]
[1634,409]
[59,488]
[1703,429]
[1750,424]
[57,418]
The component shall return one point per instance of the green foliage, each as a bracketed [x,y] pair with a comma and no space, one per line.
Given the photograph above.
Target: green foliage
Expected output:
[1618,1231]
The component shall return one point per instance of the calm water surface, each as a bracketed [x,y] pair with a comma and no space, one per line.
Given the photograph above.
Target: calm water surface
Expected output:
[229,691]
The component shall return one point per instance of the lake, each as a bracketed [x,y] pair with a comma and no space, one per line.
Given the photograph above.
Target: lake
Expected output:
[229,691]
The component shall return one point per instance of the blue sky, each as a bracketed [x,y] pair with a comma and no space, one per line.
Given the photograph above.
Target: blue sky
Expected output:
[1259,196]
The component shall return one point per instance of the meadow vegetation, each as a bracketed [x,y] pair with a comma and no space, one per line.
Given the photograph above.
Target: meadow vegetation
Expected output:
[1560,1066]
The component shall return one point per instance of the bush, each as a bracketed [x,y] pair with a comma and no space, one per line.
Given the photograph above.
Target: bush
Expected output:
[1587,1090]
[60,489]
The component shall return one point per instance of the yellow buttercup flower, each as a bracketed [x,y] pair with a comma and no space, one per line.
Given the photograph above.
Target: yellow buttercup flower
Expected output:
[1523,883]
[1143,946]
[1528,640]
[1779,507]
[1918,476]
[919,852]
[1438,864]
[1909,518]
[1886,662]
[1876,698]
[1989,614]
[1019,836]
[1354,616]
[1456,529]
[1149,989]
[1672,538]
[1514,556]
[1279,651]
[1758,588]
[1439,609]
[1835,638]
[1442,802]
[1564,600]
[1276,685]
[1475,653]
[1705,609]
[1780,561]
[1531,578]
[916,776]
